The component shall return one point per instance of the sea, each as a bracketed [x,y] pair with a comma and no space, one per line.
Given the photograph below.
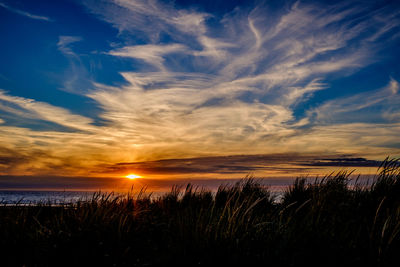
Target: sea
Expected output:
[33,197]
[11,197]
[26,198]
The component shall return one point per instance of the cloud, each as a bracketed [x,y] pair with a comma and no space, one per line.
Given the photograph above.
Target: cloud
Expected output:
[148,19]
[345,162]
[244,83]
[152,54]
[362,138]
[210,86]
[63,183]
[32,109]
[76,77]
[361,106]
[24,13]
[276,164]
[65,41]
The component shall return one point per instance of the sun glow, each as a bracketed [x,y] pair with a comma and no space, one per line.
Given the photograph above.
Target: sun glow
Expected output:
[133,176]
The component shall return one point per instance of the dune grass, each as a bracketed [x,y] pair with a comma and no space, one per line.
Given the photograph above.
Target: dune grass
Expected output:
[324,223]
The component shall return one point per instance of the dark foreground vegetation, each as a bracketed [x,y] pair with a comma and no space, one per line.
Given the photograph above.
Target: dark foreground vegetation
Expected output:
[325,223]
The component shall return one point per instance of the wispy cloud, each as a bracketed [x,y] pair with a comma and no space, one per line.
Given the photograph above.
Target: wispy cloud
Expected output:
[151,54]
[376,105]
[24,13]
[244,83]
[132,16]
[31,109]
[210,86]
[76,77]
[65,41]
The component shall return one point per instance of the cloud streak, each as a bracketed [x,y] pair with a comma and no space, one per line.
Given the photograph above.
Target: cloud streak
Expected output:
[242,165]
[361,107]
[76,77]
[32,109]
[24,13]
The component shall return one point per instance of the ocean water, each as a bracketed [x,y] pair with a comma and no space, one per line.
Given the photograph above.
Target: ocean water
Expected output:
[11,197]
[35,197]
[23,197]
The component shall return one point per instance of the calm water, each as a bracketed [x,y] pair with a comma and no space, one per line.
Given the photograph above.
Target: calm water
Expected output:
[65,197]
[34,197]
[61,197]
[11,197]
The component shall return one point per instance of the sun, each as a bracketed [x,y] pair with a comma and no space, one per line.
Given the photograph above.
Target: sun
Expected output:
[133,176]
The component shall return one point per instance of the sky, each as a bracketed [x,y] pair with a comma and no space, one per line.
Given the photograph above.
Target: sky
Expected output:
[196,89]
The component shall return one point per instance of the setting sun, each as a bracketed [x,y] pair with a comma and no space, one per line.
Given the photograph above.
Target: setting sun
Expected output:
[133,176]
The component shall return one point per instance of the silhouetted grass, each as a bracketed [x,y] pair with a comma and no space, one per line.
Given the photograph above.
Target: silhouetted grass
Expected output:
[324,223]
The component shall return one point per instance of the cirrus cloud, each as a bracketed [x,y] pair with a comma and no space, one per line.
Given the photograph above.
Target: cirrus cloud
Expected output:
[208,85]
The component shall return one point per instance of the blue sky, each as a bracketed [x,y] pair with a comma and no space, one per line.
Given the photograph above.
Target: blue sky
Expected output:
[89,85]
